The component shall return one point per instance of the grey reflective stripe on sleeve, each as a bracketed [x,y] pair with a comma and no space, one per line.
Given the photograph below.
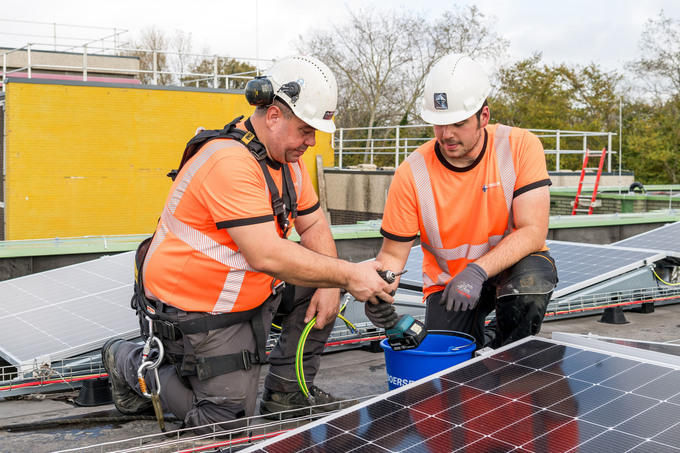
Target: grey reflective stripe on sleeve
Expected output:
[428,211]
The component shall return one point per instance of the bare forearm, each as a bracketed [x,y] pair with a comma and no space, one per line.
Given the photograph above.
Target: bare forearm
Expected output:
[266,252]
[319,240]
[303,265]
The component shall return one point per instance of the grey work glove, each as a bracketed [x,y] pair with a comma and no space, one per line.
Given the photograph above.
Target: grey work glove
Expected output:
[462,292]
[382,315]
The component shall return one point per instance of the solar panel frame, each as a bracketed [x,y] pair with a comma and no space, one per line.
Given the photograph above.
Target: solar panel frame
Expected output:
[64,312]
[664,239]
[533,395]
[578,265]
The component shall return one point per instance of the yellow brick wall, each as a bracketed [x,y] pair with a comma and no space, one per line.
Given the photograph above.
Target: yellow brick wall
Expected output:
[85,160]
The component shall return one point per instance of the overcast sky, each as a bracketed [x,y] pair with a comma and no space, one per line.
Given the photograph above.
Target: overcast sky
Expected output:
[606,32]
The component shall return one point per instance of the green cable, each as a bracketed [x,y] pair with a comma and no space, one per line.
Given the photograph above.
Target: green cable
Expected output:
[299,358]
[299,353]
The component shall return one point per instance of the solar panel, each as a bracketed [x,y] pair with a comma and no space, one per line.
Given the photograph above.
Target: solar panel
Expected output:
[578,265]
[582,265]
[663,238]
[67,311]
[533,395]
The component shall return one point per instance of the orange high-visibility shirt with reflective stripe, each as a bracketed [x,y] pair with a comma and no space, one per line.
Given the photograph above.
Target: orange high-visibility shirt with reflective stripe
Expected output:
[461,213]
[193,263]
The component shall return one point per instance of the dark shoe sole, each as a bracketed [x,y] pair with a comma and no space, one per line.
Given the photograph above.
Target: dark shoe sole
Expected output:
[274,411]
[142,404]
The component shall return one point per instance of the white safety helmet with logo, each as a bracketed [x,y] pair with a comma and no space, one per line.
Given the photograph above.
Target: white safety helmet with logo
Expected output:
[455,89]
[305,84]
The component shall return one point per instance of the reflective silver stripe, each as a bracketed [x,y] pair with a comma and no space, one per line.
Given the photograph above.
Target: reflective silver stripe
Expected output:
[230,291]
[298,176]
[428,212]
[199,241]
[506,169]
[204,244]
[198,161]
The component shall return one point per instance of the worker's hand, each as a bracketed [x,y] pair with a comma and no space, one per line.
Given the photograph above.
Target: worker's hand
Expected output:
[325,305]
[365,284]
[462,292]
[382,314]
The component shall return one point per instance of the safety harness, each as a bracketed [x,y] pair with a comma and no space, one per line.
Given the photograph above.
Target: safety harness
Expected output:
[153,316]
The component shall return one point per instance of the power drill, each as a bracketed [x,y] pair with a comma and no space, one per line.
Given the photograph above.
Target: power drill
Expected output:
[408,332]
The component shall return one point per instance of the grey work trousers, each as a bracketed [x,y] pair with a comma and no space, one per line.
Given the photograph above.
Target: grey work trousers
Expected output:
[520,296]
[230,396]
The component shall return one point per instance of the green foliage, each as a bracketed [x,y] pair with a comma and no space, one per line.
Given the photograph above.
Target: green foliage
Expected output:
[239,72]
[652,142]
[563,97]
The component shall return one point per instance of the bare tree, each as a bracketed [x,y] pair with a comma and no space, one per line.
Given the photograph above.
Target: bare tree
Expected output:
[381,58]
[182,44]
[152,58]
[659,65]
[164,58]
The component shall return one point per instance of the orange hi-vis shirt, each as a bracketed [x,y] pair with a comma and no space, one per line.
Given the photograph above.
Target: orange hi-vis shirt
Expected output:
[193,263]
[461,213]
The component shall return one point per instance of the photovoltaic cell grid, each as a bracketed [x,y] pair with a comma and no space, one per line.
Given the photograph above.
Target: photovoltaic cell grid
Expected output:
[536,396]
[67,311]
[666,238]
[581,265]
[578,265]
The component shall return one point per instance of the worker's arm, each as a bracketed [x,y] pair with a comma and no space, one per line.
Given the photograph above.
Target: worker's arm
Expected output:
[266,252]
[393,255]
[315,234]
[531,213]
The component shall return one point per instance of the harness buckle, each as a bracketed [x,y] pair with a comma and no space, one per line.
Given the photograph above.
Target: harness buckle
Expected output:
[246,359]
[278,207]
[277,287]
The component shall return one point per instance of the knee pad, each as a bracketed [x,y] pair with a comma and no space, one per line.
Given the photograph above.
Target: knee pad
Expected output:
[533,274]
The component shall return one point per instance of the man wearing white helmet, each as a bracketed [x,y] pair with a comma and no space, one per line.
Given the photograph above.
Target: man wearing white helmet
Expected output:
[213,273]
[478,196]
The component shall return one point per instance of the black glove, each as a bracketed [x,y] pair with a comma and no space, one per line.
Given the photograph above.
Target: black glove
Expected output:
[382,315]
[462,292]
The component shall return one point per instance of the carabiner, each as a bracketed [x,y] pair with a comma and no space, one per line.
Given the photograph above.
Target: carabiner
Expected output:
[147,364]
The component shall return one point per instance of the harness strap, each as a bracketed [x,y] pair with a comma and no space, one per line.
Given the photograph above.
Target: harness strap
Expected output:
[207,367]
[214,322]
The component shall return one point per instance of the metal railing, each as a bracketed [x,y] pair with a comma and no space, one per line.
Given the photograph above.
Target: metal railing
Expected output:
[390,145]
[172,68]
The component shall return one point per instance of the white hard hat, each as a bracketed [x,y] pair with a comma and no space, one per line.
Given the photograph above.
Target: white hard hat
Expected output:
[455,89]
[317,99]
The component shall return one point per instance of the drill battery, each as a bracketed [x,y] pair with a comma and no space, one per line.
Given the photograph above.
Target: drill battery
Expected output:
[408,333]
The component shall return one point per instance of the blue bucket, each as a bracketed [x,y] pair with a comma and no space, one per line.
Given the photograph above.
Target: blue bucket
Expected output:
[439,350]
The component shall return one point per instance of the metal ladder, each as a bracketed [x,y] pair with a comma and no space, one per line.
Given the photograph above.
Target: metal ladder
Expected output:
[586,203]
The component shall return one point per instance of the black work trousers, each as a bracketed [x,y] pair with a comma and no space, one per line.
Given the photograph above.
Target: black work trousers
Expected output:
[519,295]
[231,396]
